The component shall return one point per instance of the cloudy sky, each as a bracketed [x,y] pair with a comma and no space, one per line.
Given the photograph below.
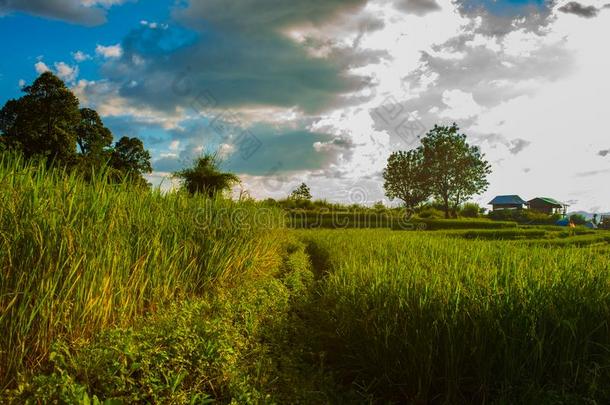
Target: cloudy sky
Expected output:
[322,91]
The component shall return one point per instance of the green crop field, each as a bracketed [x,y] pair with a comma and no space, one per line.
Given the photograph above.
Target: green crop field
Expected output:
[110,293]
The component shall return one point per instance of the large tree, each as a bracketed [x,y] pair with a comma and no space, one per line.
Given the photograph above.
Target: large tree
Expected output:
[130,159]
[42,122]
[456,170]
[92,137]
[205,176]
[47,122]
[405,178]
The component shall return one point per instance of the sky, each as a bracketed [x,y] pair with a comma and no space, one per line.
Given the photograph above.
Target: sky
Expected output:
[322,91]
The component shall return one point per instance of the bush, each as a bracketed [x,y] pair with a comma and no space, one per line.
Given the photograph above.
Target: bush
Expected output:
[470,210]
[529,217]
[578,219]
[430,213]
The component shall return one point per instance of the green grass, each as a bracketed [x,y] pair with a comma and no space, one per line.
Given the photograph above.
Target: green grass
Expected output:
[355,219]
[424,317]
[120,294]
[77,257]
[245,344]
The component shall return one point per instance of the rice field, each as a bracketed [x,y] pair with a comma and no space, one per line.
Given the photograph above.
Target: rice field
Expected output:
[426,317]
[112,293]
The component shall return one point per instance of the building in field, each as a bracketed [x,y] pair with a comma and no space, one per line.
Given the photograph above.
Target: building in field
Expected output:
[547,206]
[507,202]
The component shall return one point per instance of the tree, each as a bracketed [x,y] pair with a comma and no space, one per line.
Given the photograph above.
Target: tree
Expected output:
[129,156]
[301,193]
[92,137]
[205,176]
[455,170]
[405,178]
[130,160]
[42,122]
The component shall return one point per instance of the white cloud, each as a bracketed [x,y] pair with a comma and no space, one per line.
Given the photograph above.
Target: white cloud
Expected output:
[534,100]
[104,97]
[459,104]
[109,52]
[21,83]
[41,67]
[66,72]
[80,56]
[153,25]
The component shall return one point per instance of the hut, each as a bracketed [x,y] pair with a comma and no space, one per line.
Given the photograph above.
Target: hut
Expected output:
[547,205]
[507,202]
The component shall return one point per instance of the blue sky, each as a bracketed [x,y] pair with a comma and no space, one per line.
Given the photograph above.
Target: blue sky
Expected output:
[28,37]
[310,83]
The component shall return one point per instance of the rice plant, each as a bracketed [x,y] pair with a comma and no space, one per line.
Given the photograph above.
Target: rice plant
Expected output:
[78,256]
[425,317]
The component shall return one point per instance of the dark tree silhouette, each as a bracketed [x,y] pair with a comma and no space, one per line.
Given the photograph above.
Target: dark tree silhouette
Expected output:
[205,177]
[92,137]
[47,123]
[42,122]
[130,157]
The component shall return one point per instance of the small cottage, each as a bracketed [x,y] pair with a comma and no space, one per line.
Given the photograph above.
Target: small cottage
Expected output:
[547,205]
[507,202]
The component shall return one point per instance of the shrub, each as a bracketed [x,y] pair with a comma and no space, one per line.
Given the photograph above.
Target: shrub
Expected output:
[529,217]
[430,213]
[578,219]
[470,210]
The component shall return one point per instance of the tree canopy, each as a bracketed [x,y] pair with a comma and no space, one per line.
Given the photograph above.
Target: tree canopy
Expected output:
[47,123]
[445,166]
[301,193]
[42,123]
[405,178]
[205,176]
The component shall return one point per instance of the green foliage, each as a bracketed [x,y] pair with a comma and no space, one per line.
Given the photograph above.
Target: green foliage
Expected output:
[530,217]
[444,166]
[438,224]
[405,178]
[456,171]
[301,193]
[470,210]
[77,256]
[578,219]
[420,318]
[42,122]
[46,124]
[430,213]
[244,344]
[345,219]
[92,137]
[205,177]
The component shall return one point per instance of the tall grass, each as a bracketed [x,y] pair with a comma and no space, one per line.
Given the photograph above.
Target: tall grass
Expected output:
[423,317]
[78,256]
